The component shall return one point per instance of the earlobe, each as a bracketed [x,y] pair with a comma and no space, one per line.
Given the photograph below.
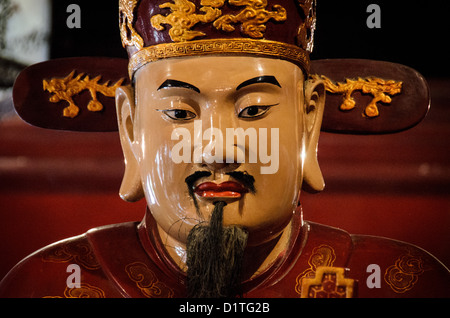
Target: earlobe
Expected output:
[314,107]
[131,188]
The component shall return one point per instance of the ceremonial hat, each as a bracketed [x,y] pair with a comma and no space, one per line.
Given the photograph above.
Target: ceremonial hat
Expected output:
[363,96]
[153,30]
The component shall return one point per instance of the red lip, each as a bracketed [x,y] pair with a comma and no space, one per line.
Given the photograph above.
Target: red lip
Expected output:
[225,189]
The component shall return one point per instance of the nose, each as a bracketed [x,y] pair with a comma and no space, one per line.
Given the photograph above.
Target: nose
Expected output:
[216,164]
[218,154]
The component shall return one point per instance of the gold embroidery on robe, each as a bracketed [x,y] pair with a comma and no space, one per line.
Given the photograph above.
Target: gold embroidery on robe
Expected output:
[76,252]
[147,281]
[85,291]
[322,255]
[404,274]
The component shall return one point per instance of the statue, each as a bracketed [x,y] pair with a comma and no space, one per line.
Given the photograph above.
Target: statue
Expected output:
[219,126]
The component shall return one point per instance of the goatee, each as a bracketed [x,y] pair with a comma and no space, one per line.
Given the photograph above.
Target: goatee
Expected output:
[214,258]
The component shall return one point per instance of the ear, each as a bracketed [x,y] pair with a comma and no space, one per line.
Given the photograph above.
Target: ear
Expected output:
[314,104]
[131,188]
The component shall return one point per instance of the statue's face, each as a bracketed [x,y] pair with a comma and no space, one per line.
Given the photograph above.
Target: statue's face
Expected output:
[186,116]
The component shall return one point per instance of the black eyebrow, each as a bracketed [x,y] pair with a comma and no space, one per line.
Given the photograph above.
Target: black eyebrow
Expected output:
[260,79]
[174,83]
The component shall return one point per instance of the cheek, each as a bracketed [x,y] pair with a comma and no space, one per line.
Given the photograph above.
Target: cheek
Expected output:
[158,171]
[270,209]
[276,194]
[161,176]
[167,194]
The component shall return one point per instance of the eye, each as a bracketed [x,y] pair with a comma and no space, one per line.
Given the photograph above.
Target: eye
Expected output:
[254,111]
[179,114]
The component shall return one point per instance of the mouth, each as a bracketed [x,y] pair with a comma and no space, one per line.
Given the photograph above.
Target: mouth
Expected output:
[227,189]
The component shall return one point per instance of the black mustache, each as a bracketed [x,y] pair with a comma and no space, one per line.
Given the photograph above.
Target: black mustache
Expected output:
[243,177]
[190,180]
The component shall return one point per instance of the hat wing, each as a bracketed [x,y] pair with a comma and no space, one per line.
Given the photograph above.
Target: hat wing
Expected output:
[363,96]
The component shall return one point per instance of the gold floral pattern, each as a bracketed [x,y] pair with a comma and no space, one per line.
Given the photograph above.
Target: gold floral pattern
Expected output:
[85,291]
[404,274]
[147,281]
[77,252]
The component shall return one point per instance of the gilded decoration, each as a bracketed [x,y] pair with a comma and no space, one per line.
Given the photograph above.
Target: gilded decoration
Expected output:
[183,17]
[77,252]
[85,291]
[219,46]
[380,89]
[252,18]
[329,282]
[147,281]
[126,19]
[305,35]
[66,88]
[404,274]
[322,256]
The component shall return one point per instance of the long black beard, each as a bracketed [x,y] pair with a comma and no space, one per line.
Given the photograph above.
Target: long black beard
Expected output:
[214,258]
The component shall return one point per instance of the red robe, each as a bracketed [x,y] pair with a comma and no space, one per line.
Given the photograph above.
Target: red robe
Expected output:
[321,261]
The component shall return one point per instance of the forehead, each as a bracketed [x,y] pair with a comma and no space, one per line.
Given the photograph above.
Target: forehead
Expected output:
[217,71]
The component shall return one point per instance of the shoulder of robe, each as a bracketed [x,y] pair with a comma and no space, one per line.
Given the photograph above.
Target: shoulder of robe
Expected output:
[377,266]
[50,272]
[391,268]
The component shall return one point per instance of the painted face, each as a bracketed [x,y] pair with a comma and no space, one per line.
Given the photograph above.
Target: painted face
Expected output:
[220,129]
